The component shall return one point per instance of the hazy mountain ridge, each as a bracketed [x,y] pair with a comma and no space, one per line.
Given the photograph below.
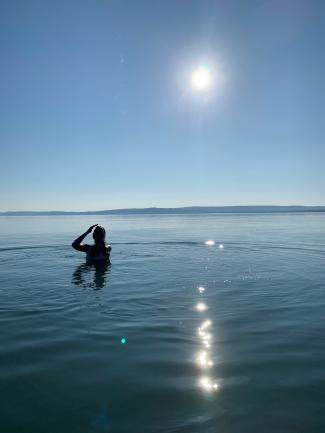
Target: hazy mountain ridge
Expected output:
[178,210]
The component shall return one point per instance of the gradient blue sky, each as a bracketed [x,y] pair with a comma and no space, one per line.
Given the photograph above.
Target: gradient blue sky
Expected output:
[96,109]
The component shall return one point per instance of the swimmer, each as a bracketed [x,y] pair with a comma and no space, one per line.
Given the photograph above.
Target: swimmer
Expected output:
[100,250]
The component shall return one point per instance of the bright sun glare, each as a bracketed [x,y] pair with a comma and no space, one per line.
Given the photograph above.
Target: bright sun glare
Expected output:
[201,78]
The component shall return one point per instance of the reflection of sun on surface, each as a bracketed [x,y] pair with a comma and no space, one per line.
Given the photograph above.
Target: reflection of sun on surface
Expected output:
[206,337]
[203,360]
[201,78]
[207,384]
[209,242]
[203,357]
[206,323]
[200,306]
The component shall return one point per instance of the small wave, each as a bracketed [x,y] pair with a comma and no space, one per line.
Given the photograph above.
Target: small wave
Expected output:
[61,247]
[279,247]
[31,247]
[228,245]
[161,243]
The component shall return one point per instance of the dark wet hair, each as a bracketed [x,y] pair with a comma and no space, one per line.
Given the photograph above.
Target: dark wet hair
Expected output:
[99,235]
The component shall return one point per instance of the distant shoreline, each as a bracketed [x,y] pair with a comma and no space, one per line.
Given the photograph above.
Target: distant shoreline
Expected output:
[175,211]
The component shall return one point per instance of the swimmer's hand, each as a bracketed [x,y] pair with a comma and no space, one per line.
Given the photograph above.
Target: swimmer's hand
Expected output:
[76,244]
[91,228]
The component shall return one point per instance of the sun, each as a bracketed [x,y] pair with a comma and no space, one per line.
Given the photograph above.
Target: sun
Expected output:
[201,78]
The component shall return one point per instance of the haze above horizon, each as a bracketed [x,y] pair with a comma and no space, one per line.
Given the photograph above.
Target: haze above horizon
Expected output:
[108,105]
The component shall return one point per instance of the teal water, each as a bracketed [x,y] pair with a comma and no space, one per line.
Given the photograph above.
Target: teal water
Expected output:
[227,340]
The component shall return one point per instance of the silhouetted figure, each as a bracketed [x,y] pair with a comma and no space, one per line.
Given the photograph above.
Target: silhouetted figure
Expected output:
[100,251]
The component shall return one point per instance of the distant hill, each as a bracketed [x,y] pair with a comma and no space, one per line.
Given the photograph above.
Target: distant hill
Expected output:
[177,210]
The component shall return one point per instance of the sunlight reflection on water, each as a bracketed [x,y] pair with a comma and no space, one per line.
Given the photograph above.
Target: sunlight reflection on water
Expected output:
[200,306]
[203,357]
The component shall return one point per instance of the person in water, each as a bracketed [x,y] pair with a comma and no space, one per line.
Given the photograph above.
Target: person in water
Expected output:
[100,250]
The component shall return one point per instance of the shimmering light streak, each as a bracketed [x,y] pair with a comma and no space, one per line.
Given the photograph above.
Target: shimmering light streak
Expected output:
[203,360]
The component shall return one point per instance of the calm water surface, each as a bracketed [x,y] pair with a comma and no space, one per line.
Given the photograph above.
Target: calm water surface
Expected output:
[225,338]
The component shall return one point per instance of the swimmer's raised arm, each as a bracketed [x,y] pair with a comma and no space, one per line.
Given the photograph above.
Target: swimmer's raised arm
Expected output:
[76,244]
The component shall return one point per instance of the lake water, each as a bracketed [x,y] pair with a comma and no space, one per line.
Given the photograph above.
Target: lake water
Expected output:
[175,336]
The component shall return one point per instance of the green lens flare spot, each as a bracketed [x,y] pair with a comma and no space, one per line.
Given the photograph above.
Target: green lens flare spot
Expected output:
[123,340]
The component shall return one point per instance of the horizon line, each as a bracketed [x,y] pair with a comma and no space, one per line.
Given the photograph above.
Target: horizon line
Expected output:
[156,208]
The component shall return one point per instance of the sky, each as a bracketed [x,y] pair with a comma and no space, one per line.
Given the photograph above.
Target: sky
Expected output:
[98,108]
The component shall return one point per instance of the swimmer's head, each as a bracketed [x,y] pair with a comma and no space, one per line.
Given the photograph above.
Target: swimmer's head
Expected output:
[99,234]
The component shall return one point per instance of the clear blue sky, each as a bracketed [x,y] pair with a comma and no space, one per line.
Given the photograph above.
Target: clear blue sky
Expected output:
[97,110]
